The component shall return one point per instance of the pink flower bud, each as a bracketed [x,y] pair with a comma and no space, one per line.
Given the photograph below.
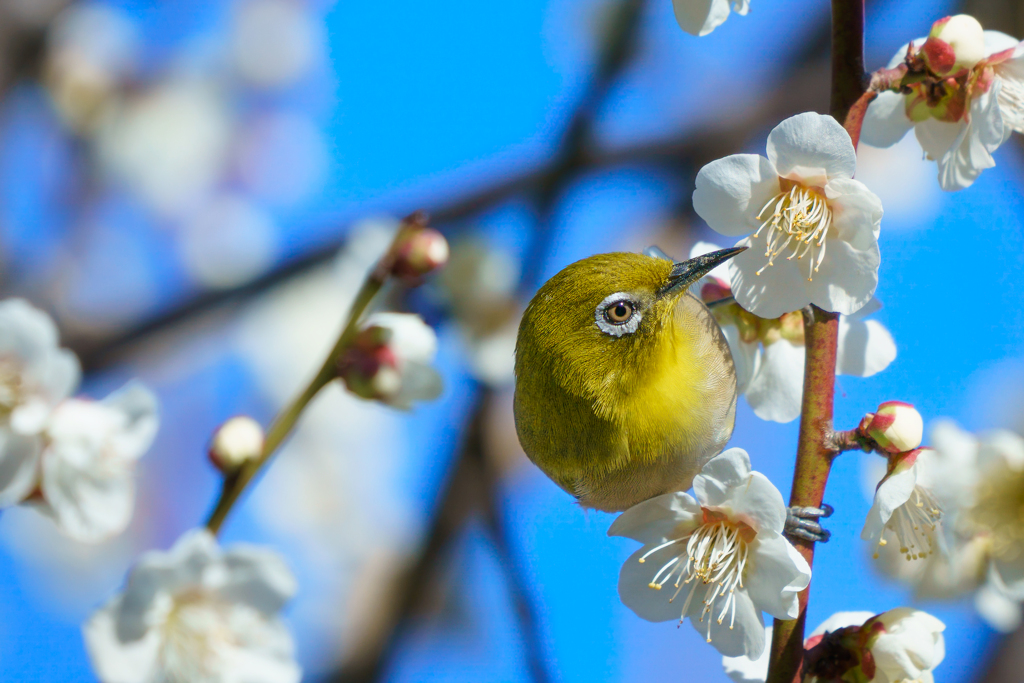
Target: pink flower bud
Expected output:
[236,442]
[954,43]
[896,427]
[389,361]
[422,250]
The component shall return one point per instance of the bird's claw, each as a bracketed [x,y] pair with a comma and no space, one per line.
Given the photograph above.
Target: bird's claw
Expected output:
[802,523]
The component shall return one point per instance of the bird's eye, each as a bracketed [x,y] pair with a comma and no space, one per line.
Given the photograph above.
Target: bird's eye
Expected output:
[619,312]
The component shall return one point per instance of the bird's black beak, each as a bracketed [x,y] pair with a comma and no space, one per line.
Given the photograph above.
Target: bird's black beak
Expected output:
[685,273]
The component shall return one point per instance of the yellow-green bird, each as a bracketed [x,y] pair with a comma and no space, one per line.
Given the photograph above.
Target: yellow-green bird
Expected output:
[625,386]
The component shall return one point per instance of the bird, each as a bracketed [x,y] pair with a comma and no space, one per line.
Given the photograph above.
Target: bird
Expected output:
[624,382]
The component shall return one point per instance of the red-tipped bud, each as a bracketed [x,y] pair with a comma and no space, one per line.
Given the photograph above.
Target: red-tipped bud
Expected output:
[389,361]
[954,43]
[236,442]
[422,249]
[896,427]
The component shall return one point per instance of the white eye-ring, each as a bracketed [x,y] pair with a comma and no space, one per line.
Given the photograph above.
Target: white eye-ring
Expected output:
[618,314]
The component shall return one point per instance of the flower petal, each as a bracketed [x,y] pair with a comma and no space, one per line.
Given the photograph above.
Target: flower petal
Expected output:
[776,574]
[856,212]
[140,409]
[886,122]
[266,660]
[745,357]
[913,643]
[116,659]
[847,278]
[729,193]
[841,620]
[159,574]
[811,142]
[780,288]
[776,391]
[654,520]
[86,507]
[19,466]
[747,670]
[865,347]
[724,472]
[700,17]
[892,492]
[759,504]
[963,158]
[258,577]
[745,638]
[999,610]
[996,41]
[649,603]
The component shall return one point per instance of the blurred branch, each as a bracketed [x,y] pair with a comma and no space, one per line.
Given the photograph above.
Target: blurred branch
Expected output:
[1007,660]
[795,93]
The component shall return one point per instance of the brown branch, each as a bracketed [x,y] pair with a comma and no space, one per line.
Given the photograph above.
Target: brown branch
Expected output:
[821,332]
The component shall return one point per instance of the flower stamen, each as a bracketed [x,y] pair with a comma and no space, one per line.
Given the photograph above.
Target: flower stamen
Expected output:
[716,554]
[800,215]
[914,524]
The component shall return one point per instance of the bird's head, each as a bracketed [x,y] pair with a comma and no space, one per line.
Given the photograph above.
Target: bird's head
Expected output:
[602,315]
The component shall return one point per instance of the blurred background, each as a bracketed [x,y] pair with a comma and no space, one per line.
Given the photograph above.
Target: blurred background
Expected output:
[194,189]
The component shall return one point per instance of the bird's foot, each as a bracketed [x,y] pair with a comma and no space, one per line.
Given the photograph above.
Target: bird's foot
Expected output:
[802,523]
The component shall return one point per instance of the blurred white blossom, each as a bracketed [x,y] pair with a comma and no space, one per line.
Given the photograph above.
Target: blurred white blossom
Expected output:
[273,41]
[227,241]
[701,17]
[769,353]
[88,461]
[975,482]
[168,143]
[91,52]
[200,614]
[35,375]
[479,284]
[815,228]
[721,555]
[343,501]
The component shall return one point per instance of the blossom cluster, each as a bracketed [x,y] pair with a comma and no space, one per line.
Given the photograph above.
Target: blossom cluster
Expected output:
[947,520]
[70,458]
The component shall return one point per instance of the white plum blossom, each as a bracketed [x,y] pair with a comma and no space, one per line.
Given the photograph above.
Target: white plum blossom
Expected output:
[904,509]
[35,375]
[967,99]
[902,644]
[390,360]
[976,481]
[86,469]
[719,559]
[769,353]
[72,459]
[199,614]
[479,286]
[814,228]
[998,505]
[701,17]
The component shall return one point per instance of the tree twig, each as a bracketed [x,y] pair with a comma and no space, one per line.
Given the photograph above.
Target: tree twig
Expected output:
[821,334]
